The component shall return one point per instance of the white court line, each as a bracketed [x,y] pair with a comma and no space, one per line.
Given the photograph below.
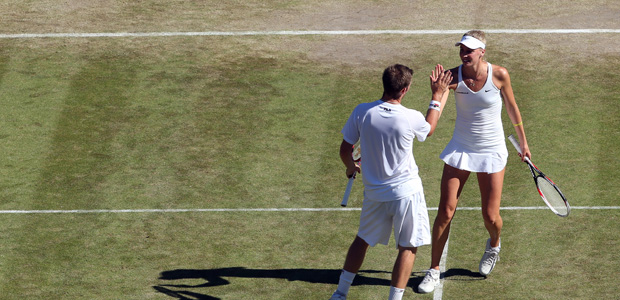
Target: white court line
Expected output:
[438,293]
[293,32]
[183,210]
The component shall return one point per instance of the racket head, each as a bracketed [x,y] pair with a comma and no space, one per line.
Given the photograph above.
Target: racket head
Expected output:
[549,192]
[552,196]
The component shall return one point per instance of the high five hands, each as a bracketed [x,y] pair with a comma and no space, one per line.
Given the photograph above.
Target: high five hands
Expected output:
[440,79]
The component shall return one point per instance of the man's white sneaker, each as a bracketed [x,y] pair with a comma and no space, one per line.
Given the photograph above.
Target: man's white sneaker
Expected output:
[489,258]
[430,281]
[338,296]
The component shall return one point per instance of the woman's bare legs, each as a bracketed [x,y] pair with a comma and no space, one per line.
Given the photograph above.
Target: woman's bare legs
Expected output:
[452,182]
[491,193]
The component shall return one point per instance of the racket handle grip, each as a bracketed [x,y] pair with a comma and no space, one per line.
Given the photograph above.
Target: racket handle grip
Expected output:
[347,191]
[515,143]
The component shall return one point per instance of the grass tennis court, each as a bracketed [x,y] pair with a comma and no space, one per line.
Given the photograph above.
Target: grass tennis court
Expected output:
[253,122]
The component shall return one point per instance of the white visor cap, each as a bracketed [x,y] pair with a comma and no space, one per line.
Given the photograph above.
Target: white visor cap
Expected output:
[471,42]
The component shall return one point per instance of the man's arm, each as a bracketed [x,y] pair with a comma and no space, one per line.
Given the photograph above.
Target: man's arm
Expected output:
[440,84]
[346,155]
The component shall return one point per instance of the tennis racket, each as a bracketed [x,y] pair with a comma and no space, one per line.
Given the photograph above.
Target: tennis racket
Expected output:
[357,157]
[547,189]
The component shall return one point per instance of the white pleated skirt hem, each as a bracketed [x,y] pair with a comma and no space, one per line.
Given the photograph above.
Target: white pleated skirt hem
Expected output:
[475,162]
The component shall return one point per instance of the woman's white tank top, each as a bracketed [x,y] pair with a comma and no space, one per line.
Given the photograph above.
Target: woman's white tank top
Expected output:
[478,131]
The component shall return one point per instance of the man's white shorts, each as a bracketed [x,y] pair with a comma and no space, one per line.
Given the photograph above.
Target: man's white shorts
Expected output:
[408,217]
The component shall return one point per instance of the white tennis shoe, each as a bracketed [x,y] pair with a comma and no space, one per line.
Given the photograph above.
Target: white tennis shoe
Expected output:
[489,258]
[430,281]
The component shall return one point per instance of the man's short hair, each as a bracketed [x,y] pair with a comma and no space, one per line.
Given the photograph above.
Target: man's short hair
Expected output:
[395,79]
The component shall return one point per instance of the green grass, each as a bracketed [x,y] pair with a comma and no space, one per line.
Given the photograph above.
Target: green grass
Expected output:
[254,122]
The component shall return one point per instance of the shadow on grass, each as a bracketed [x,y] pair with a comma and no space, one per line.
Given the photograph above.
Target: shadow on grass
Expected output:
[462,274]
[216,277]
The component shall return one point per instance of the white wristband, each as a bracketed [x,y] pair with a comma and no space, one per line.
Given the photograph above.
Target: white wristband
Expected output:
[436,105]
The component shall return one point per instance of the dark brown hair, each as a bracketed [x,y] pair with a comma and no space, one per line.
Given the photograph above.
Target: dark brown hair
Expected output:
[395,79]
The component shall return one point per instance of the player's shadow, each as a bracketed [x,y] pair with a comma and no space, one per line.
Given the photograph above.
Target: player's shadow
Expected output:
[219,277]
[462,275]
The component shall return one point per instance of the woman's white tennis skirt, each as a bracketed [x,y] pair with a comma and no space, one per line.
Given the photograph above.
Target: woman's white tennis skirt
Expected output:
[475,162]
[408,217]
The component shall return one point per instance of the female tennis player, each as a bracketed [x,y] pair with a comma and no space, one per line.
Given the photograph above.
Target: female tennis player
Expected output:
[477,145]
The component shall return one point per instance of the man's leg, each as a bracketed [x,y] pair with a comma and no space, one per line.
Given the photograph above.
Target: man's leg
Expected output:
[356,255]
[352,264]
[403,266]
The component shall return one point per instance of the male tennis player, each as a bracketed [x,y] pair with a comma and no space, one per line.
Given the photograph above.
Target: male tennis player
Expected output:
[393,194]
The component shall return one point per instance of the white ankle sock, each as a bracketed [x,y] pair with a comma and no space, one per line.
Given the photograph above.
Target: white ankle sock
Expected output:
[346,279]
[396,293]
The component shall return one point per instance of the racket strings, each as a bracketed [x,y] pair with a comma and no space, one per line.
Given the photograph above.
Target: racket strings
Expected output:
[357,153]
[552,196]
